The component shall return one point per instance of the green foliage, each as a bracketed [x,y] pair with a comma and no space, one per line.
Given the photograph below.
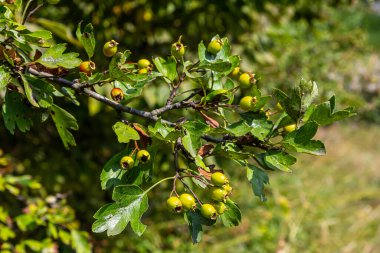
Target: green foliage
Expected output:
[35,221]
[199,122]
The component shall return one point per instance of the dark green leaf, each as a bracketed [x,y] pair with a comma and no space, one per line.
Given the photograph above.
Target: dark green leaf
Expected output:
[278,160]
[260,126]
[232,216]
[239,128]
[258,179]
[324,114]
[195,221]
[16,113]
[87,38]
[64,122]
[42,91]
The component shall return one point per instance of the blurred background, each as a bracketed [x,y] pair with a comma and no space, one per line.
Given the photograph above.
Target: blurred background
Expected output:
[328,204]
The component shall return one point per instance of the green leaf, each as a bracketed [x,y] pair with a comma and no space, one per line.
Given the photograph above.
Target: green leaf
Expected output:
[324,114]
[112,174]
[64,121]
[192,140]
[42,91]
[16,113]
[258,179]
[239,128]
[168,67]
[5,77]
[278,160]
[70,95]
[260,126]
[218,66]
[300,140]
[232,216]
[130,204]
[195,220]
[87,38]
[125,133]
[80,242]
[29,92]
[163,132]
[54,57]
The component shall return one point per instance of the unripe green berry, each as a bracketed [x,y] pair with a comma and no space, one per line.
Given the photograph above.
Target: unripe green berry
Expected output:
[214,46]
[143,156]
[127,162]
[219,179]
[208,211]
[174,204]
[218,194]
[188,201]
[110,48]
[177,50]
[143,71]
[143,63]
[247,103]
[290,128]
[246,80]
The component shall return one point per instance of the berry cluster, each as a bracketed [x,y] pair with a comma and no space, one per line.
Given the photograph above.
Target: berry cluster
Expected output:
[127,162]
[218,193]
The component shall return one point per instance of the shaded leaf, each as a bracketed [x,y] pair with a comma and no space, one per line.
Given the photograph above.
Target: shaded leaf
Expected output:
[16,113]
[258,179]
[64,122]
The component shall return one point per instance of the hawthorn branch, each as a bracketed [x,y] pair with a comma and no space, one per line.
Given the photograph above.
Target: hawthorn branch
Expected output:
[97,96]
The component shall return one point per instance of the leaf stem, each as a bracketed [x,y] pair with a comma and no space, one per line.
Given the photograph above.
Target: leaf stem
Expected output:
[159,182]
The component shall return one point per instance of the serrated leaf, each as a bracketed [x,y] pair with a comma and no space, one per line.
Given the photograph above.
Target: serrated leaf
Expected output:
[125,133]
[258,179]
[87,38]
[29,92]
[192,140]
[131,202]
[42,91]
[232,216]
[64,122]
[324,114]
[16,113]
[195,220]
[54,57]
[260,126]
[300,140]
[163,132]
[168,67]
[278,160]
[239,128]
